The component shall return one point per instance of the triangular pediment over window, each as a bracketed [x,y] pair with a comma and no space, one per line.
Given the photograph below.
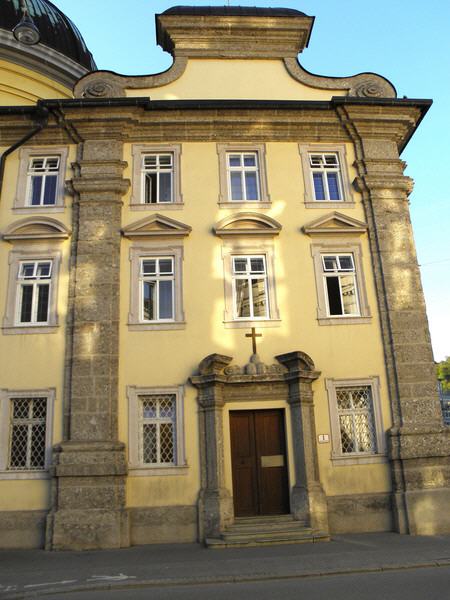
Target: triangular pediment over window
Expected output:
[248,224]
[156,226]
[36,228]
[335,223]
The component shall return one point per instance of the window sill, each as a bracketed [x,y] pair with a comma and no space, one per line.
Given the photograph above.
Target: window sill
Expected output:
[157,206]
[256,324]
[245,204]
[327,204]
[156,326]
[29,329]
[31,210]
[140,471]
[344,320]
[20,475]
[361,459]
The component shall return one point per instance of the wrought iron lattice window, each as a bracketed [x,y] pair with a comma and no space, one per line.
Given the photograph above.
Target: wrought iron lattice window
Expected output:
[28,417]
[326,176]
[157,174]
[356,420]
[43,180]
[157,443]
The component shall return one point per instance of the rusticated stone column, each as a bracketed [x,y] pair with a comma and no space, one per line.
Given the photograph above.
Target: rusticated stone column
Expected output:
[308,500]
[215,502]
[419,442]
[90,467]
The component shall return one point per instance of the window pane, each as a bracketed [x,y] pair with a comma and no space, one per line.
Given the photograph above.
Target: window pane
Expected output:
[347,443]
[149,300]
[334,296]
[329,263]
[149,443]
[234,160]
[19,443]
[27,299]
[346,263]
[165,187]
[37,450]
[167,446]
[315,160]
[251,186]
[319,189]
[27,270]
[149,267]
[148,407]
[42,309]
[236,185]
[249,160]
[165,160]
[165,266]
[36,187]
[150,188]
[242,298]
[50,189]
[331,160]
[150,161]
[349,295]
[257,265]
[167,406]
[259,297]
[364,434]
[43,270]
[240,265]
[165,300]
[333,186]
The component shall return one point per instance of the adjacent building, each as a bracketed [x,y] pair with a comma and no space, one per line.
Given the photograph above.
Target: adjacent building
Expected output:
[213,326]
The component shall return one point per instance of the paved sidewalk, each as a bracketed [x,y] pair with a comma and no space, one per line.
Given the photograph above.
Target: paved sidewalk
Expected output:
[36,573]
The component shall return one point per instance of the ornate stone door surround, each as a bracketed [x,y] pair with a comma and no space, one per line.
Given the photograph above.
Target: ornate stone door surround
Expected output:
[219,383]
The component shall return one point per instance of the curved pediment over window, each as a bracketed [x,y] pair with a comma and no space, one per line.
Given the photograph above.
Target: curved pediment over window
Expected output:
[248,224]
[36,228]
[335,223]
[156,226]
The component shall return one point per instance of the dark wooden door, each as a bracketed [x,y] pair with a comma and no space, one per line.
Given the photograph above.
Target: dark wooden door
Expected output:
[258,459]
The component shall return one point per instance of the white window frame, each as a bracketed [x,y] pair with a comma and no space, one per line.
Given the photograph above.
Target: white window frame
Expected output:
[155,250]
[22,201]
[224,151]
[343,458]
[318,251]
[347,199]
[6,396]
[339,273]
[242,248]
[34,281]
[247,276]
[136,466]
[157,278]
[139,152]
[17,257]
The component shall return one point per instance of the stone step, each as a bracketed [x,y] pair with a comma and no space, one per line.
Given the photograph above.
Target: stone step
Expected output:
[265,526]
[266,539]
[264,519]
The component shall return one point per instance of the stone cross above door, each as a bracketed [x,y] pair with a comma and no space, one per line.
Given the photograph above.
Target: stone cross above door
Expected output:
[253,335]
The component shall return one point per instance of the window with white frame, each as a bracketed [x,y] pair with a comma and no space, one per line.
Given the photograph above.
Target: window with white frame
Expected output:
[156,434]
[340,285]
[326,176]
[157,178]
[33,292]
[355,412]
[43,173]
[243,176]
[157,289]
[25,432]
[250,287]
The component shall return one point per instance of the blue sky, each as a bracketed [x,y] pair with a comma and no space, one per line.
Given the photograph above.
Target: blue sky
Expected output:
[407,41]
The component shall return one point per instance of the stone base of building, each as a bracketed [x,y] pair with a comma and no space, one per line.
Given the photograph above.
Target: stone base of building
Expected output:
[360,513]
[22,529]
[427,511]
[163,525]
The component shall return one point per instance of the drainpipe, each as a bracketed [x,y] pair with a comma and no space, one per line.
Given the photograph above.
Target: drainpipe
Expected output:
[42,117]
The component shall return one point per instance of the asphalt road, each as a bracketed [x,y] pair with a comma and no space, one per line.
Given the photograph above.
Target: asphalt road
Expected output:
[416,584]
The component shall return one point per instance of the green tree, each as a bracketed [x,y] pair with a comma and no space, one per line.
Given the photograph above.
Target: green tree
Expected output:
[443,373]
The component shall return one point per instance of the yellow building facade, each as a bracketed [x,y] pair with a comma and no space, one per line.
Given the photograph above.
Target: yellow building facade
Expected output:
[213,324]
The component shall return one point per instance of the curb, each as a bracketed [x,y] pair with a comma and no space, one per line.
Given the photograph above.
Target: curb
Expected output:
[221,579]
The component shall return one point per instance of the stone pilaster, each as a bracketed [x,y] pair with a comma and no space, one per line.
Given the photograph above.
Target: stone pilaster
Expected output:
[90,467]
[419,443]
[308,500]
[215,502]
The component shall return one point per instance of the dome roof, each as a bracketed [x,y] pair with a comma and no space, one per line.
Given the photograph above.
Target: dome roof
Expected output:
[57,31]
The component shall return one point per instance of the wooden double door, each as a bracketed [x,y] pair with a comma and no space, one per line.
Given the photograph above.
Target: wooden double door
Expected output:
[259,466]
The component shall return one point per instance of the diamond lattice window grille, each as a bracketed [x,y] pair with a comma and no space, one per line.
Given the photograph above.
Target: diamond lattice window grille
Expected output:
[356,420]
[27,434]
[157,443]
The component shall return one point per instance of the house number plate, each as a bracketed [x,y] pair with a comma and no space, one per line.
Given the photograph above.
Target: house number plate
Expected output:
[276,460]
